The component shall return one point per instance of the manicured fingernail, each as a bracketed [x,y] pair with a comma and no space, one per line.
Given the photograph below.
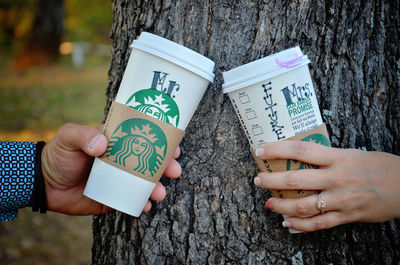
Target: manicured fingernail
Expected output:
[268,204]
[147,207]
[257,181]
[286,224]
[93,142]
[260,151]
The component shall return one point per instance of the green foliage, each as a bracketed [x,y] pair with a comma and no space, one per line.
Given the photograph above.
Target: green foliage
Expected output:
[88,20]
[46,97]
[14,16]
[53,238]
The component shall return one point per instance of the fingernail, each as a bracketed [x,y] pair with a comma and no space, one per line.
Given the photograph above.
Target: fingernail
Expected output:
[257,181]
[268,204]
[147,207]
[93,142]
[260,151]
[286,224]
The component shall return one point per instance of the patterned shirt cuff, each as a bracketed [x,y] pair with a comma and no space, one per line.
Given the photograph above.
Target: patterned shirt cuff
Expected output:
[9,216]
[16,177]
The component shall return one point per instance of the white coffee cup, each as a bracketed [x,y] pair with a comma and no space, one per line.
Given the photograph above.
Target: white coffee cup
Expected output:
[162,79]
[272,94]
[274,97]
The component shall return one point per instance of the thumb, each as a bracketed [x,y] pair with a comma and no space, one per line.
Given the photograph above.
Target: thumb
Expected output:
[75,137]
[97,145]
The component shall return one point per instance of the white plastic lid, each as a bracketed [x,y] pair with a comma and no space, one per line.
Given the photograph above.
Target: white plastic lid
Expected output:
[176,54]
[263,69]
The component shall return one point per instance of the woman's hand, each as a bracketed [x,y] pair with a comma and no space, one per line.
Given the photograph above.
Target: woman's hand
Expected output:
[357,186]
[66,164]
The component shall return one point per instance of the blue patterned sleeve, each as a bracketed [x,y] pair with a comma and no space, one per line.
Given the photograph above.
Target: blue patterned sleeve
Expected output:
[16,177]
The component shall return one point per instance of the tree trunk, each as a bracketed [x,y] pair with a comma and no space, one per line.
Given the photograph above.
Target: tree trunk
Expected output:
[45,36]
[11,13]
[214,214]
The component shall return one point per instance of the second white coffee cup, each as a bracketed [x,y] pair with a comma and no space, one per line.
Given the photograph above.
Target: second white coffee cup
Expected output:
[274,99]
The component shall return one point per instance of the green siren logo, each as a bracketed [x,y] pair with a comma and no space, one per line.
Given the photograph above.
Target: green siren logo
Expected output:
[139,145]
[156,104]
[315,138]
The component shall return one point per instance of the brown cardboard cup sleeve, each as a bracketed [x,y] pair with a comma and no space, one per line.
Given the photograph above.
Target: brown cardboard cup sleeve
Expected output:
[139,143]
[317,135]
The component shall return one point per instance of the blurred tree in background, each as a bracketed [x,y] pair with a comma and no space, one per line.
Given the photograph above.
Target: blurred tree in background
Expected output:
[44,89]
[32,30]
[91,24]
[45,34]
[36,101]
[12,15]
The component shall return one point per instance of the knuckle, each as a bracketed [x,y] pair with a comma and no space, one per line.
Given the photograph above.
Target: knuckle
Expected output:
[293,179]
[345,156]
[64,130]
[342,201]
[67,127]
[350,217]
[299,148]
[302,208]
[342,177]
[320,224]
[337,181]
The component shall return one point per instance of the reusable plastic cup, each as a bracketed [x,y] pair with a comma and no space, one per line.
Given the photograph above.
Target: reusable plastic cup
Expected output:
[161,88]
[275,100]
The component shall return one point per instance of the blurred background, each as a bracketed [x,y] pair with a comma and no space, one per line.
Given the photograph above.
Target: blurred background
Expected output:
[54,58]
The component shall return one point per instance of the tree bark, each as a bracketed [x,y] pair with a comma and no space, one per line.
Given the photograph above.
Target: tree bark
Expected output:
[214,214]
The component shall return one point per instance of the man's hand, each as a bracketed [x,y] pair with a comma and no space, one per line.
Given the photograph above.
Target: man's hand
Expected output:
[66,164]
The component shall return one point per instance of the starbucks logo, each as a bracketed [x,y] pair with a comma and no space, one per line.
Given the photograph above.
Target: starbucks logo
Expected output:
[315,138]
[139,145]
[157,104]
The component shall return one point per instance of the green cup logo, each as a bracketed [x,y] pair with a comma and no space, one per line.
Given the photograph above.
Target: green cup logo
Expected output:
[156,104]
[139,145]
[315,138]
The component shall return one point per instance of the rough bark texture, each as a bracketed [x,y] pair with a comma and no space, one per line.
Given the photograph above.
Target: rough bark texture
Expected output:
[214,214]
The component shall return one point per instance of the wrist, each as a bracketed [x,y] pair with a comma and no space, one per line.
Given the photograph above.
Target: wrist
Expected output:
[39,202]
